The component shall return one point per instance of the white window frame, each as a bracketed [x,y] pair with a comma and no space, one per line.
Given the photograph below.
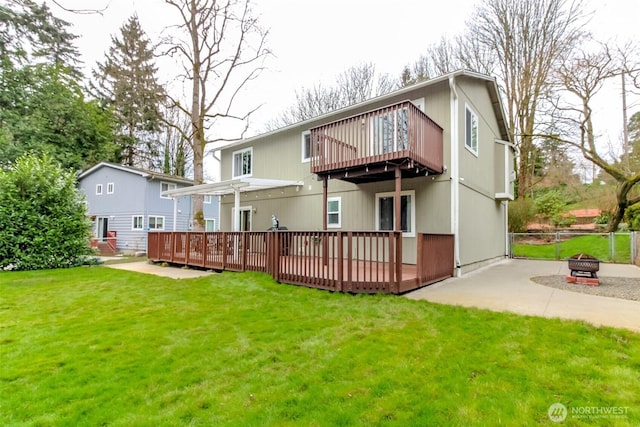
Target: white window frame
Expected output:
[412,222]
[339,212]
[210,219]
[98,189]
[133,223]
[207,199]
[155,222]
[304,144]
[170,186]
[469,142]
[233,163]
[110,187]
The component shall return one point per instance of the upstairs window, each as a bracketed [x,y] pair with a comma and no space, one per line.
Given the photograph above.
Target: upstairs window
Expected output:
[471,131]
[166,186]
[306,146]
[110,188]
[243,163]
[207,199]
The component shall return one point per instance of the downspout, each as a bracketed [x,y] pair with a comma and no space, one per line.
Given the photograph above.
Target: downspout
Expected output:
[175,212]
[236,204]
[455,175]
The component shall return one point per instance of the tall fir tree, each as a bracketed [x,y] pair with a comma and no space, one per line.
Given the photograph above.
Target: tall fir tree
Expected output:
[126,82]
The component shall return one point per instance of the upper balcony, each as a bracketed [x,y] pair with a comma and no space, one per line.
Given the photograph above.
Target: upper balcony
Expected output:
[367,147]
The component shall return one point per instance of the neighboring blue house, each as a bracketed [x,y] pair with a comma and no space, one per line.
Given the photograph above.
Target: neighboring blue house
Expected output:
[125,203]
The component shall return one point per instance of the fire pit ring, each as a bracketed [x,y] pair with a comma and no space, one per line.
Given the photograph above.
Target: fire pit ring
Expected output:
[584,265]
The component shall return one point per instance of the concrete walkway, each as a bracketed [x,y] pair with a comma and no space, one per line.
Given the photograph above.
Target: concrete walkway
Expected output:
[506,286]
[158,270]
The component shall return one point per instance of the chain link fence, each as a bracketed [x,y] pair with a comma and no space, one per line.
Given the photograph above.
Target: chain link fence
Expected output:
[619,248]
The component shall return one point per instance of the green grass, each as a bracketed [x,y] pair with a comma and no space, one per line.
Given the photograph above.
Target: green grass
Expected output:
[596,245]
[98,346]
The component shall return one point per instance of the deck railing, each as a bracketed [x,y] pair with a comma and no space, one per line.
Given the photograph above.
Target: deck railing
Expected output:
[357,262]
[394,132]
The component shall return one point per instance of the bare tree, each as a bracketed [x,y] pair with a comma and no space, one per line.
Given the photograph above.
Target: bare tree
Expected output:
[446,56]
[528,39]
[223,48]
[177,152]
[356,84]
[583,75]
[520,42]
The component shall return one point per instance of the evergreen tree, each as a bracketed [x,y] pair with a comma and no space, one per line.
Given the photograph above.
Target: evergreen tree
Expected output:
[30,34]
[127,83]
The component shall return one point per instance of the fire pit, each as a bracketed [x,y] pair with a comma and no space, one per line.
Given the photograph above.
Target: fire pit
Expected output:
[583,269]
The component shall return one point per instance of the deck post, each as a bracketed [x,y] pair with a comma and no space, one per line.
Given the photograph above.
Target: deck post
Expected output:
[398,227]
[325,244]
[340,281]
[419,257]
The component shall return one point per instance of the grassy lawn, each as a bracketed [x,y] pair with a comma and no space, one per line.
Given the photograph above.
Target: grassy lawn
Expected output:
[596,245]
[98,346]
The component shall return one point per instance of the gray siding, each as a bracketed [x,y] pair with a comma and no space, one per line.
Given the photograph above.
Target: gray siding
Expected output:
[136,195]
[481,221]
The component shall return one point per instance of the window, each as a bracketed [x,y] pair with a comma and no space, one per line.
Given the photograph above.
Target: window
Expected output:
[156,222]
[471,131]
[390,131]
[306,146]
[137,222]
[207,199]
[98,189]
[385,212]
[209,225]
[242,163]
[334,216]
[165,186]
[110,187]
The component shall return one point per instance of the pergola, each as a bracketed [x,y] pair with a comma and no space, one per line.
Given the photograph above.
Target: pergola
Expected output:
[232,186]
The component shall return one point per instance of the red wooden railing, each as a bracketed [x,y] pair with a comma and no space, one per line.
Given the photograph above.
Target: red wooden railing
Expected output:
[357,262]
[394,132]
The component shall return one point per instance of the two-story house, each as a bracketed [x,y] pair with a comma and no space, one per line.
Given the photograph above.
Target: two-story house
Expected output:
[125,203]
[435,157]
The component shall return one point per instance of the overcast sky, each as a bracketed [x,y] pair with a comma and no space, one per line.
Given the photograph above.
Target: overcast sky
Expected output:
[314,40]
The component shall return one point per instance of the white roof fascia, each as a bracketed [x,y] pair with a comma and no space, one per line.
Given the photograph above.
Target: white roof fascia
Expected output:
[324,117]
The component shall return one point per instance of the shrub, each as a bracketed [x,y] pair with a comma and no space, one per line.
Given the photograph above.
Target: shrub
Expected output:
[632,217]
[43,222]
[550,205]
[521,213]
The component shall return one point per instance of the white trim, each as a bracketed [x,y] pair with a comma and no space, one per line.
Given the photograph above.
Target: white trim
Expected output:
[327,117]
[169,185]
[339,212]
[231,186]
[110,187]
[243,209]
[474,150]
[210,219]
[98,189]
[155,217]
[234,173]
[455,172]
[303,137]
[412,224]
[133,223]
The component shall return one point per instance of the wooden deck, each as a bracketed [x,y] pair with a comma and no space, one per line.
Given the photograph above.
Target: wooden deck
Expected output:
[355,262]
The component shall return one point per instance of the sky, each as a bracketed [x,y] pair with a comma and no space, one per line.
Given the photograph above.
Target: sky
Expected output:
[315,40]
